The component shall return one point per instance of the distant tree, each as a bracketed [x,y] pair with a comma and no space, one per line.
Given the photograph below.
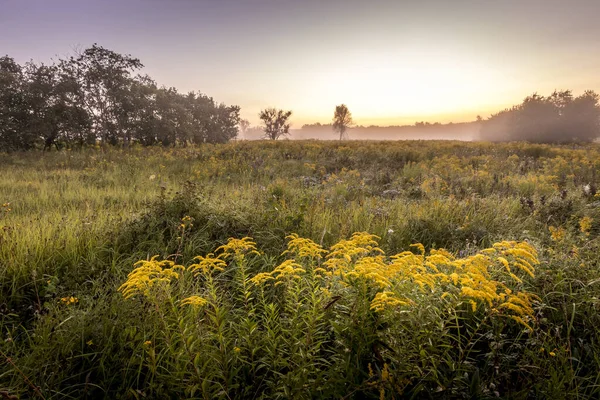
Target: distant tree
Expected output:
[275,123]
[342,119]
[559,117]
[211,122]
[244,125]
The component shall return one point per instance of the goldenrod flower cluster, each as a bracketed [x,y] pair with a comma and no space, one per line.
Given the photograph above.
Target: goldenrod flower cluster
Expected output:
[385,300]
[287,270]
[301,247]
[345,252]
[488,279]
[237,248]
[557,234]
[148,274]
[70,300]
[482,278]
[207,265]
[585,224]
[195,301]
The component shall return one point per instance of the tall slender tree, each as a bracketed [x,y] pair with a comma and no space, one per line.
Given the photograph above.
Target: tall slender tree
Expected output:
[342,120]
[244,125]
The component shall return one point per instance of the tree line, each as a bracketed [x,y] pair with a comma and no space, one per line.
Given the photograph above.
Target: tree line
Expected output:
[559,117]
[98,96]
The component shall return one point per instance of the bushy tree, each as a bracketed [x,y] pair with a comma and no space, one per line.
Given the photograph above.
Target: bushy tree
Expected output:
[559,117]
[275,123]
[13,114]
[342,119]
[104,78]
[96,95]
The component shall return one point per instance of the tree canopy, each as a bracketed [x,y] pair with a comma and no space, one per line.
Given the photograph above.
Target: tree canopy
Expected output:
[98,96]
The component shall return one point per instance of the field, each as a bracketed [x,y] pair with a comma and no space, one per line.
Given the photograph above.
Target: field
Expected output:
[301,269]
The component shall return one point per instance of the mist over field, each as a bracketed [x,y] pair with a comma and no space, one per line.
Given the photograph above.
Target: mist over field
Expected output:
[466,131]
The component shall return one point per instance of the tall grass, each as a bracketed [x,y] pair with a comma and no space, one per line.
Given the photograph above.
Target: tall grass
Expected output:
[74,223]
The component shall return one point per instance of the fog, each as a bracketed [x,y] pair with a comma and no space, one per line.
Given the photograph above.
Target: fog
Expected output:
[466,131]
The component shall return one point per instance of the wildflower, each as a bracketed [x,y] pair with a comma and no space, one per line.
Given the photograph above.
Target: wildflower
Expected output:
[260,278]
[419,247]
[195,301]
[238,247]
[343,253]
[237,349]
[89,342]
[557,234]
[301,247]
[147,343]
[148,274]
[385,373]
[207,265]
[288,269]
[70,300]
[574,251]
[552,354]
[374,269]
[386,299]
[585,224]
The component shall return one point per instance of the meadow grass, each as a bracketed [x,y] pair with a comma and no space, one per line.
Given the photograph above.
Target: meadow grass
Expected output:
[369,325]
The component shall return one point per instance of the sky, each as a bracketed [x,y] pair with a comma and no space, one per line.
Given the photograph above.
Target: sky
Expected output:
[390,62]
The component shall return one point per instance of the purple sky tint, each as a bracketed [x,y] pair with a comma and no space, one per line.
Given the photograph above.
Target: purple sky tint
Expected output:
[391,62]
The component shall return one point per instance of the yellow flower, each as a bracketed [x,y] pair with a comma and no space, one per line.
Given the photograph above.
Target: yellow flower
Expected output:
[385,373]
[585,224]
[238,247]
[558,234]
[260,278]
[207,265]
[237,349]
[147,343]
[70,300]
[386,299]
[301,247]
[148,274]
[195,301]
[287,269]
[420,248]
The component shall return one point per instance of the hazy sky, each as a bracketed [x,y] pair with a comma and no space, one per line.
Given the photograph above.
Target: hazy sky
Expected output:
[391,62]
